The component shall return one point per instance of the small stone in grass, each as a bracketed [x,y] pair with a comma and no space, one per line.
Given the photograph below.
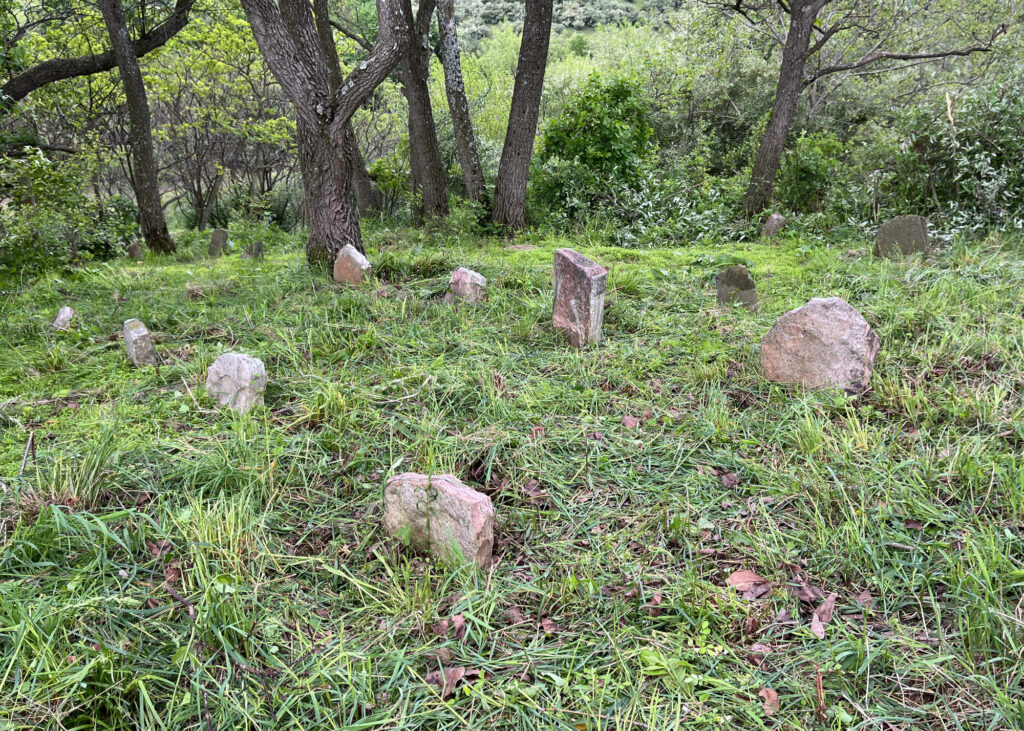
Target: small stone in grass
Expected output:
[467,286]
[579,297]
[440,515]
[350,266]
[139,344]
[218,240]
[63,320]
[237,380]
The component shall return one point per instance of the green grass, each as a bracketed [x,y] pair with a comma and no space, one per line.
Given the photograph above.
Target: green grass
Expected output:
[168,565]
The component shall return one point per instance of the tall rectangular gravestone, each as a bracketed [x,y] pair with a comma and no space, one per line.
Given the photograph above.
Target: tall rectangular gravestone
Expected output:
[579,297]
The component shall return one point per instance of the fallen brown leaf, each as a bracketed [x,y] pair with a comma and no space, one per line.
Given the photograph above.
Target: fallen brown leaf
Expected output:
[447,679]
[730,479]
[514,616]
[771,701]
[749,584]
[808,593]
[817,627]
[630,422]
[827,608]
[549,626]
[865,599]
[159,548]
[912,524]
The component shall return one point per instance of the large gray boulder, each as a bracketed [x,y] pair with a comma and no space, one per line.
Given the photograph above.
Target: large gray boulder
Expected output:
[441,516]
[237,380]
[903,236]
[139,344]
[825,343]
[735,285]
[580,285]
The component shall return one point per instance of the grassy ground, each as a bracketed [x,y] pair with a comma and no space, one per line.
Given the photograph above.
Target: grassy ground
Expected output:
[166,564]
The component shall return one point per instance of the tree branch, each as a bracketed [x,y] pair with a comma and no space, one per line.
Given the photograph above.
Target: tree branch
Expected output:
[58,69]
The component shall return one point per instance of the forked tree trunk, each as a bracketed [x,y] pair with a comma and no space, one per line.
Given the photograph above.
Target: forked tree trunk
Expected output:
[787,98]
[458,104]
[147,188]
[514,168]
[429,182]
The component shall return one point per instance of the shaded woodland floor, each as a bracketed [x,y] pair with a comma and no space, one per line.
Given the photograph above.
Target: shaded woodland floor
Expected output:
[166,564]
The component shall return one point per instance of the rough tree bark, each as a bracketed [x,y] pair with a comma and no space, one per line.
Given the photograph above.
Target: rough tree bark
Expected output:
[288,39]
[58,69]
[458,104]
[787,98]
[514,168]
[429,181]
[144,180]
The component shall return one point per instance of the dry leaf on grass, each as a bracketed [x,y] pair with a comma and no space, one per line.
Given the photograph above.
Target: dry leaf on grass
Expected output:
[827,608]
[159,548]
[630,422]
[865,599]
[549,626]
[749,584]
[514,616]
[730,479]
[448,679]
[771,701]
[808,593]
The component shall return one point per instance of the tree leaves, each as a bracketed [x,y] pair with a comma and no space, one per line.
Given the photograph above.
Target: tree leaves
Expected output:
[749,584]
[771,701]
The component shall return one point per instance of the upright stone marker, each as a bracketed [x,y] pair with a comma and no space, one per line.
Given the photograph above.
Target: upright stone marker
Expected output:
[466,285]
[350,266]
[218,240]
[135,251]
[903,236]
[775,223]
[237,380]
[63,319]
[255,251]
[825,343]
[736,285]
[579,297]
[440,515]
[139,344]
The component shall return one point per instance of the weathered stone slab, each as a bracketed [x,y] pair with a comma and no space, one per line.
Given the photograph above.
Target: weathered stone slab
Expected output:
[441,516]
[735,285]
[903,236]
[775,223]
[135,251]
[139,344]
[255,251]
[350,266]
[825,343]
[63,319]
[467,286]
[218,240]
[237,380]
[580,285]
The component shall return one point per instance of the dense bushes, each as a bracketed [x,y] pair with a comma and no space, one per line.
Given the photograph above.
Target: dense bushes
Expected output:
[48,220]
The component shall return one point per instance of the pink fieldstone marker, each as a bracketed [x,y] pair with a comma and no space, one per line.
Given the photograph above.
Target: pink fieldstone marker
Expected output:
[440,515]
[579,297]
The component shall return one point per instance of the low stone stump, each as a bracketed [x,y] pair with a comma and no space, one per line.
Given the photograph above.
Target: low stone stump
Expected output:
[580,285]
[441,516]
[135,251]
[218,241]
[237,380]
[63,319]
[466,286]
[825,343]
[350,266]
[775,223]
[255,251]
[139,344]
[735,285]
[903,236]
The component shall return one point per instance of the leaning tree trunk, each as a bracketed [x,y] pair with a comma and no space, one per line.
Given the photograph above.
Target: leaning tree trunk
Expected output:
[514,168]
[147,188]
[458,104]
[332,221]
[429,182]
[787,97]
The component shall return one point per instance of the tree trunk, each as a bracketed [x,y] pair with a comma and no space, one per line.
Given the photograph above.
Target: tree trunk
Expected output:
[332,220]
[787,97]
[147,188]
[368,198]
[514,168]
[429,181]
[458,104]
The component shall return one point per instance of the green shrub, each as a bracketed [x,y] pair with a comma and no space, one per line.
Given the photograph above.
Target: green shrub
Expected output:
[46,219]
[600,140]
[806,171]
